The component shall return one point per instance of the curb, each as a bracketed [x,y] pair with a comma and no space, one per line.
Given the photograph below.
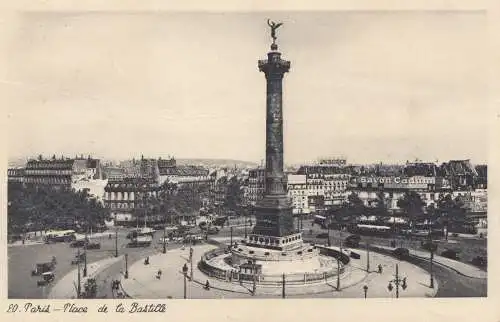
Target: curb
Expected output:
[448,267]
[433,262]
[99,270]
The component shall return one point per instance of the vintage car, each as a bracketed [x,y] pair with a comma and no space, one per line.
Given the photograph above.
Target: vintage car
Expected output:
[352,241]
[46,278]
[93,245]
[401,253]
[41,268]
[78,243]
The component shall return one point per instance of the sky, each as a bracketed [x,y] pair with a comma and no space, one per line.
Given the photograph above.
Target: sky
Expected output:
[370,86]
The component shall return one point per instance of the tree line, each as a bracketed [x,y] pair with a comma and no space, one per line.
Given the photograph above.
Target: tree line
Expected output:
[445,213]
[35,208]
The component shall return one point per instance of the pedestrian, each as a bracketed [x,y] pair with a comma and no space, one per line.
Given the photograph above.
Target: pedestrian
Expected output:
[379,268]
[207,285]
[159,274]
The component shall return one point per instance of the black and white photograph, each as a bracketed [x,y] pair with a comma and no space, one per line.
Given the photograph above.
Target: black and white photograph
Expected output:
[247,155]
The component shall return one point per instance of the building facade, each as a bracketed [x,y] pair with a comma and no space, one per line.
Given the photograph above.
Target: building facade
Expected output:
[297,191]
[59,173]
[254,189]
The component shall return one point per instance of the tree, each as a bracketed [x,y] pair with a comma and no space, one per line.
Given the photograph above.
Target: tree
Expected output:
[353,209]
[452,211]
[381,208]
[234,195]
[40,208]
[412,205]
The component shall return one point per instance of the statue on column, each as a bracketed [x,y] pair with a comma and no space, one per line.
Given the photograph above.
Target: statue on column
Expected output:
[273,26]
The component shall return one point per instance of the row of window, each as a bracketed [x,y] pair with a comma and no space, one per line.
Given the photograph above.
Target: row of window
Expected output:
[48,172]
[121,205]
[48,180]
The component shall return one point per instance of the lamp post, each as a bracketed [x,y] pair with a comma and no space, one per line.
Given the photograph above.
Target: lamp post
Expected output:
[397,281]
[365,289]
[328,232]
[85,258]
[126,266]
[116,242]
[85,248]
[283,290]
[254,287]
[231,240]
[338,266]
[191,261]
[184,271]
[246,223]
[164,234]
[367,258]
[432,249]
[79,286]
[432,276]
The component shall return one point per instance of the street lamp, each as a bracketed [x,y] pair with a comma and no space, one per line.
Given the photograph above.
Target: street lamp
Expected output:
[246,222]
[126,266]
[254,268]
[79,285]
[116,241]
[365,289]
[164,234]
[328,227]
[231,242]
[432,249]
[191,261]
[367,258]
[283,290]
[338,266]
[397,281]
[184,271]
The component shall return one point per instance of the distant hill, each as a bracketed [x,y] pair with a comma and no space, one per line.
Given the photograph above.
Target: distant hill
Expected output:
[21,162]
[16,162]
[217,162]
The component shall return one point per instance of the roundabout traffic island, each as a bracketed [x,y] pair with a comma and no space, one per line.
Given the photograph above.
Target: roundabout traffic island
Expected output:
[266,267]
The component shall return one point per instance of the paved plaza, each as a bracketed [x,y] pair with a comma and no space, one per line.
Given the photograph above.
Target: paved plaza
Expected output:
[143,282]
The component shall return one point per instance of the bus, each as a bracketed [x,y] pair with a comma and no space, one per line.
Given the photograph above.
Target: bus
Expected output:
[60,236]
[320,220]
[374,230]
[140,241]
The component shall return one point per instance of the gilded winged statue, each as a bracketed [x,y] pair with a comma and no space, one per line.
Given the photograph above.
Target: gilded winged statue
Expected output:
[273,25]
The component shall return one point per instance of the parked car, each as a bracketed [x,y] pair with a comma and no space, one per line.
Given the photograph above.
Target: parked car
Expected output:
[352,241]
[164,240]
[212,230]
[481,261]
[178,239]
[46,278]
[78,243]
[41,268]
[451,254]
[132,235]
[401,253]
[93,246]
[432,247]
[355,255]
